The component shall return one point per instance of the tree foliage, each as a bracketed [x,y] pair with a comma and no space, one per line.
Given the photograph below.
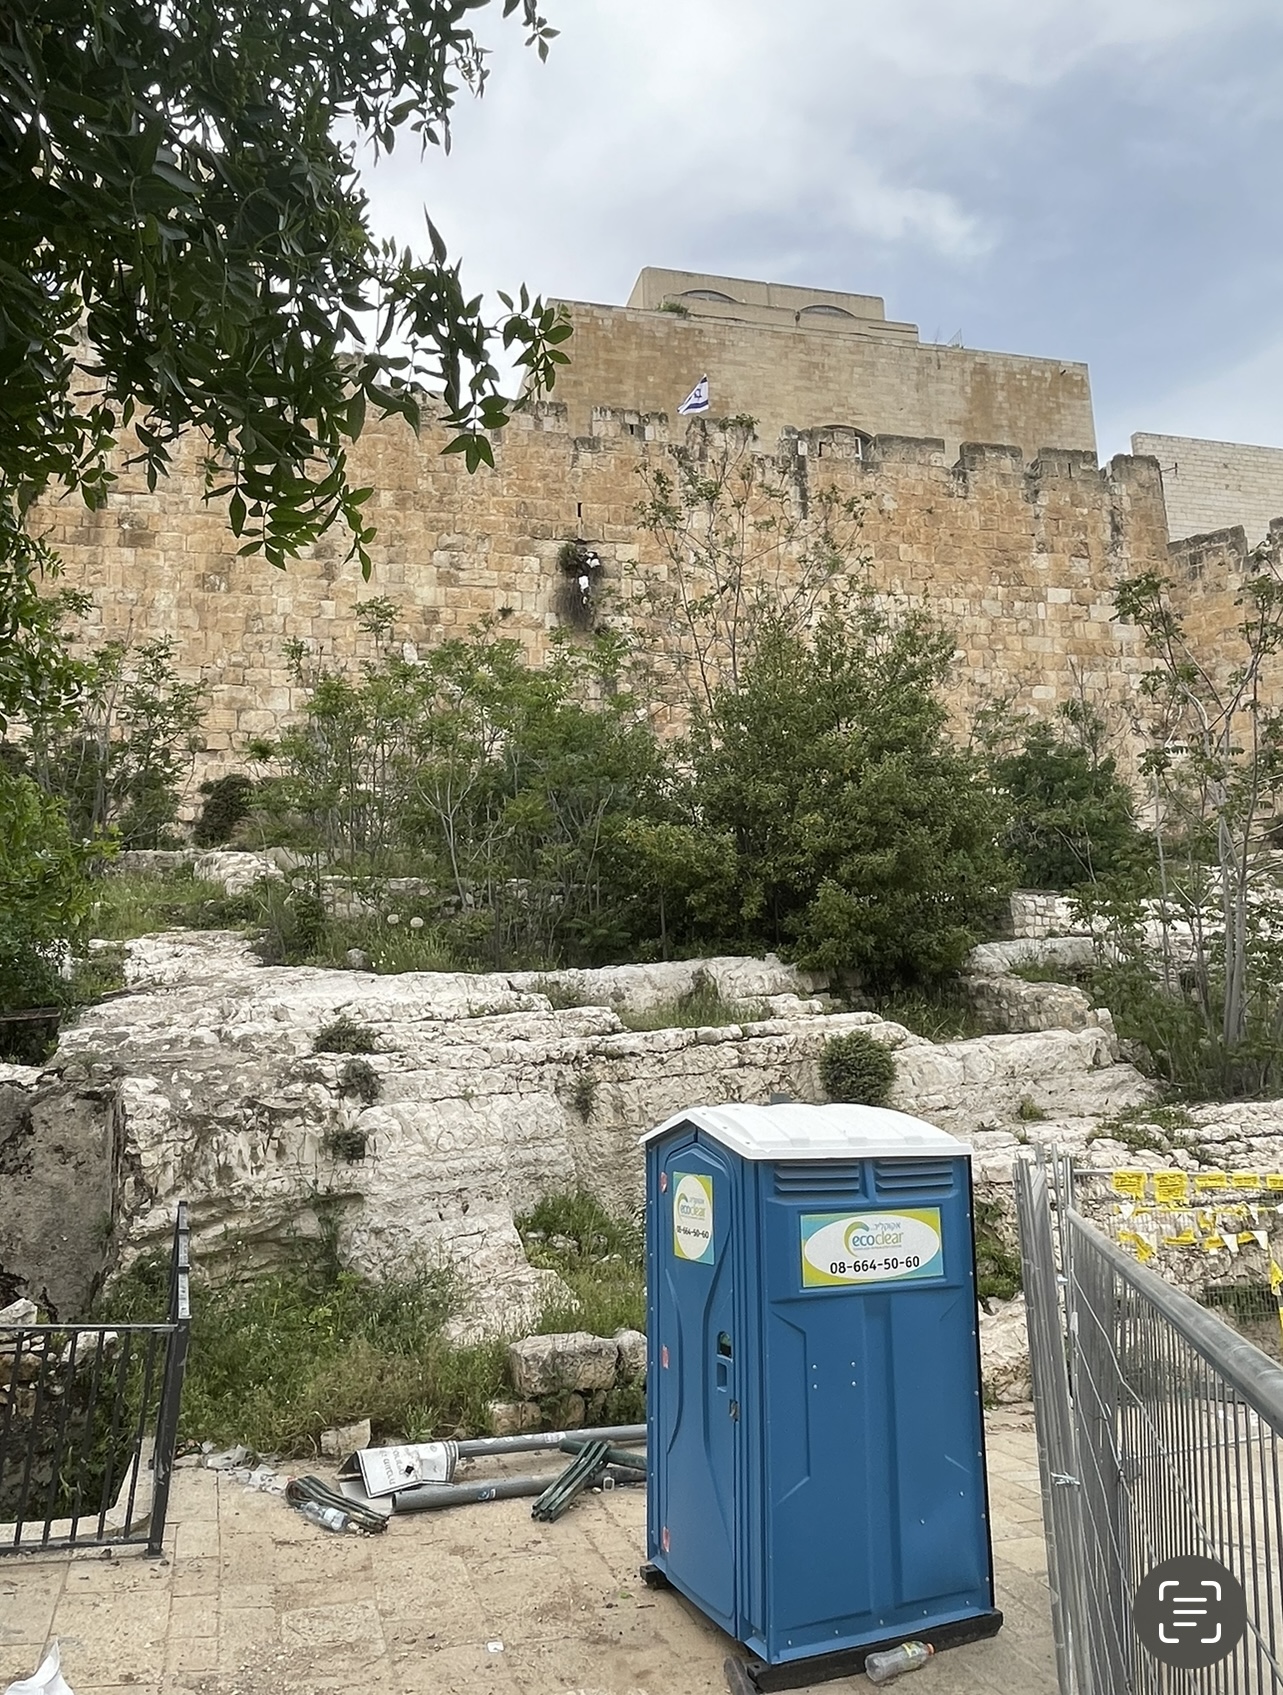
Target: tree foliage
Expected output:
[1072,816]
[118,754]
[865,838]
[1200,966]
[44,897]
[747,543]
[184,245]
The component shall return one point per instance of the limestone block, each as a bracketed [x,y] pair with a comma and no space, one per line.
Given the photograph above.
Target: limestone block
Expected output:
[513,1418]
[345,1439]
[992,959]
[237,872]
[632,1354]
[1004,1352]
[570,1360]
[1009,1003]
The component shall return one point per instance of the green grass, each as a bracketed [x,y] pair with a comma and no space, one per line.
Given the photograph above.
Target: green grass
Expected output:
[391,947]
[938,1015]
[600,1258]
[1146,1129]
[1039,971]
[700,1007]
[140,904]
[277,1357]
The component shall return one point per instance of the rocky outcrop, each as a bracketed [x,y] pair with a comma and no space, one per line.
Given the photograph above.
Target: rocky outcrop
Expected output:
[482,1095]
[62,1150]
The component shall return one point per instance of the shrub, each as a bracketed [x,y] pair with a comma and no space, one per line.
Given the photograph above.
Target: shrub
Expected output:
[346,1143]
[344,1034]
[45,893]
[857,1067]
[281,1354]
[227,800]
[359,1078]
[294,923]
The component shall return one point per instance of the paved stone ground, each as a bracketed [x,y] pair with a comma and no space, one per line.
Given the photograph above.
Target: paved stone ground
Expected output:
[476,1601]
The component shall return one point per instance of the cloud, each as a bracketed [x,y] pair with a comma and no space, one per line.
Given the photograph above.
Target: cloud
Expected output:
[1078,178]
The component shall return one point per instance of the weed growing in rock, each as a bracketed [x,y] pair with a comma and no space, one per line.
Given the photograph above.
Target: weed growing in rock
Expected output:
[998,1271]
[560,994]
[345,1034]
[858,1068]
[1146,1129]
[1029,1112]
[359,1078]
[130,904]
[598,1255]
[583,1094]
[941,1013]
[346,1143]
[702,1006]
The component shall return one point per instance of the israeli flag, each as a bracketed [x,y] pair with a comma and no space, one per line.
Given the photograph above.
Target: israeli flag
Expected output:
[697,399]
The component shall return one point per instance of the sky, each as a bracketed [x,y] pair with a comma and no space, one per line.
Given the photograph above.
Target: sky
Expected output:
[1078,179]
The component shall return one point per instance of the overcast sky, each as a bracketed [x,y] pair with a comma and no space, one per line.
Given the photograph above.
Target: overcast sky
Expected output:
[1081,179]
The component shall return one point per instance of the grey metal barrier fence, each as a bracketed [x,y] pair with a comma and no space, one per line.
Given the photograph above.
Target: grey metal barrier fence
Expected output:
[1159,1435]
[89,1424]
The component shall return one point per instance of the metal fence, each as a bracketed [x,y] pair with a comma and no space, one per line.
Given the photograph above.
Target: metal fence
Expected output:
[1158,1435]
[88,1425]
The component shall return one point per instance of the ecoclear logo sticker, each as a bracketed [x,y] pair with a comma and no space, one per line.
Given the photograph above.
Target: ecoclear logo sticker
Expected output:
[843,1248]
[693,1217]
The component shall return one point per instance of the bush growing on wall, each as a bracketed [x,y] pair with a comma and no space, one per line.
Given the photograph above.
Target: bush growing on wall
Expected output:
[858,1068]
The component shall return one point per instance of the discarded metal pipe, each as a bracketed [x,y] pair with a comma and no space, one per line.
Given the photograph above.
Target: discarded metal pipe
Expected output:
[430,1497]
[548,1439]
[614,1456]
[589,1462]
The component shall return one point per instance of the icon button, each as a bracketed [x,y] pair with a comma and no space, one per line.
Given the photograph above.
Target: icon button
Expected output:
[1190,1612]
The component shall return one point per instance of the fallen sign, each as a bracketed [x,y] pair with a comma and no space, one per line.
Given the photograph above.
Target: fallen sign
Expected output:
[385,1471]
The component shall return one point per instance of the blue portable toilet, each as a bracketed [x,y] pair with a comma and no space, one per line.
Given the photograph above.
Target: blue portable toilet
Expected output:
[816,1476]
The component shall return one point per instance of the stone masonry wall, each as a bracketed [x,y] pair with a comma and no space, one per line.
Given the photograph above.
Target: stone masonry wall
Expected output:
[784,375]
[1018,557]
[1211,485]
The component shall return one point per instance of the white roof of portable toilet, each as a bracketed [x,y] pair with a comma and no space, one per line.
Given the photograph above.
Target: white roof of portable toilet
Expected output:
[794,1130]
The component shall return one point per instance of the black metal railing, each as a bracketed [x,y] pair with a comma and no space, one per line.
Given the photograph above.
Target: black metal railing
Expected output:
[89,1423]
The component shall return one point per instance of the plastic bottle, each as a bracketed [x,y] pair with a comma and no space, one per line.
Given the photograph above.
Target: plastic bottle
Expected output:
[329,1518]
[885,1668]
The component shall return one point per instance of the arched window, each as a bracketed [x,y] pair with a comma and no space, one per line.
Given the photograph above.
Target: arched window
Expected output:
[820,311]
[708,294]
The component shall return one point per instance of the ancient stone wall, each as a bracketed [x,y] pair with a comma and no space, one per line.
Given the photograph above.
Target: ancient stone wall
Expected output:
[1018,557]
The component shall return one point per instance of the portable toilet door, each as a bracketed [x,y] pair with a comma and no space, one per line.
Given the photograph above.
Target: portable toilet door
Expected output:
[694,1249]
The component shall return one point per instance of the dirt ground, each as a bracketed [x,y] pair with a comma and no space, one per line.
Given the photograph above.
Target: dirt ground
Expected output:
[481,1600]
